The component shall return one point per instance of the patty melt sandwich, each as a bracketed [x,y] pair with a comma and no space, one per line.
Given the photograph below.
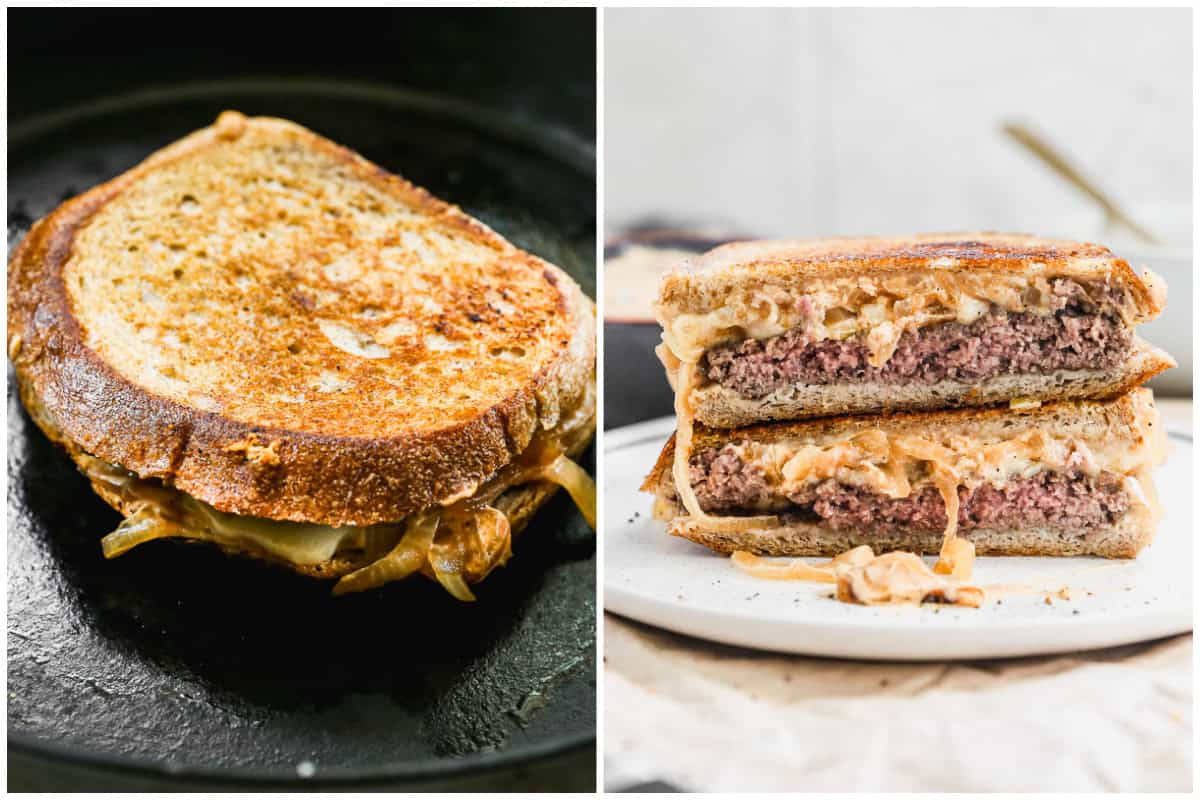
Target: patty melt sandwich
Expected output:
[260,340]
[1066,478]
[760,331]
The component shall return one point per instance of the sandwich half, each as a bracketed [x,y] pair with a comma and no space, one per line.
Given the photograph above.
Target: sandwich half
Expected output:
[760,331]
[1061,479]
[258,339]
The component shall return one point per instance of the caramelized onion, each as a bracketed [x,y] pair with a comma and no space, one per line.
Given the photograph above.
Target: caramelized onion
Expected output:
[453,583]
[572,477]
[895,578]
[140,527]
[469,545]
[407,557]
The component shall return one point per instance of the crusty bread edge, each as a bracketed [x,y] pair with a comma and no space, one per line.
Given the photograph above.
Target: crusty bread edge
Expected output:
[1122,539]
[321,479]
[719,407]
[679,286]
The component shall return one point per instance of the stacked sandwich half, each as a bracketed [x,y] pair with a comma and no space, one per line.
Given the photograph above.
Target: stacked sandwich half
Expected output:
[936,394]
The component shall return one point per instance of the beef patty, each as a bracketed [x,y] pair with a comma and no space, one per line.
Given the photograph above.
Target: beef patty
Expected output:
[1073,501]
[1080,332]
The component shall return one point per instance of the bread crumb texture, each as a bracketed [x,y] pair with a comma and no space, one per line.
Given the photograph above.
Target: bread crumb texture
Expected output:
[269,281]
[257,453]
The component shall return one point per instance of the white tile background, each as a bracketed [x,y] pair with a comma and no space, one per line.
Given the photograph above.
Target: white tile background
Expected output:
[817,121]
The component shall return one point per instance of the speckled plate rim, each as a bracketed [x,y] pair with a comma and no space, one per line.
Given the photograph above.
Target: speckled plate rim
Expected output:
[869,637]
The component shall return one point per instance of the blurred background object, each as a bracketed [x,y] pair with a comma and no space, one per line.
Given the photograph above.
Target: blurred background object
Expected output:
[818,122]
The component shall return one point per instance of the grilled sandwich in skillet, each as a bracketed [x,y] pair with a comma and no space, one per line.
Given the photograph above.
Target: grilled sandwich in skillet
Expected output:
[258,339]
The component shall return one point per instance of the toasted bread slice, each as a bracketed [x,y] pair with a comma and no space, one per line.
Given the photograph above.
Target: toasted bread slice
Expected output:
[720,407]
[709,280]
[269,323]
[1117,430]
[1122,539]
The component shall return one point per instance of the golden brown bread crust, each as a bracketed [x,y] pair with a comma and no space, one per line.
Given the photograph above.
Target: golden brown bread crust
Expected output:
[659,479]
[332,473]
[691,283]
[1123,539]
[519,503]
[1112,418]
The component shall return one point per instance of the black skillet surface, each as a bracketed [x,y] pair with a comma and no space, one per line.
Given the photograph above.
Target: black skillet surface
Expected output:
[174,667]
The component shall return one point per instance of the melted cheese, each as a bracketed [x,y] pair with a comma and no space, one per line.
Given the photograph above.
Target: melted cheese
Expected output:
[878,309]
[168,513]
[456,545]
[897,465]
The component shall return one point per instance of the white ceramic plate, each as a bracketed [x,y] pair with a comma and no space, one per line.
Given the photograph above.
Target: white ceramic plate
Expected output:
[675,584]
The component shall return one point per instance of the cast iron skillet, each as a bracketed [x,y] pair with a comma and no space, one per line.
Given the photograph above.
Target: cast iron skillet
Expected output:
[177,667]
